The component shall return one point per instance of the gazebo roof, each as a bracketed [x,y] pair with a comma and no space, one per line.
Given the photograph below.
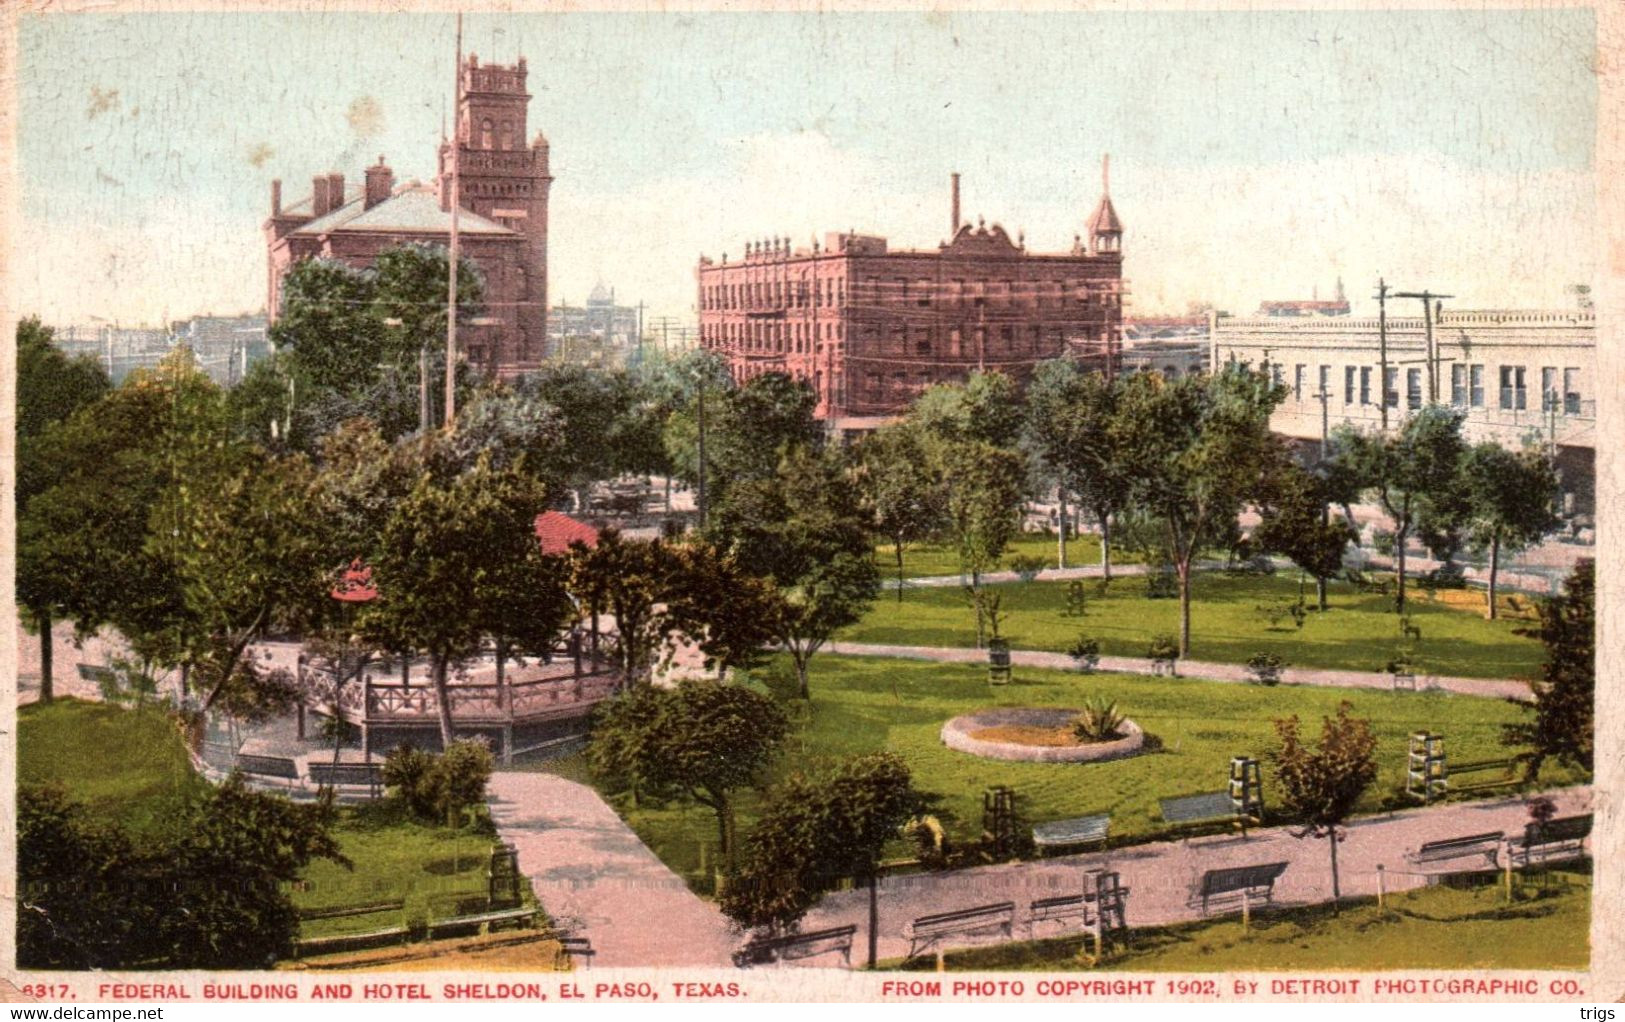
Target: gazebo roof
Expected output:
[557,531]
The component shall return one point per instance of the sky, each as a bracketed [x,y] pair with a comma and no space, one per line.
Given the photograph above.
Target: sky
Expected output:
[1254,155]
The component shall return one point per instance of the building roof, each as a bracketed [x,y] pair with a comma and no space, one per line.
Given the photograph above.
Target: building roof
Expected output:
[557,531]
[1104,220]
[1299,307]
[412,209]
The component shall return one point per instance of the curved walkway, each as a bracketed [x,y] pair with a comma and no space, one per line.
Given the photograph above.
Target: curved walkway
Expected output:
[597,880]
[1499,688]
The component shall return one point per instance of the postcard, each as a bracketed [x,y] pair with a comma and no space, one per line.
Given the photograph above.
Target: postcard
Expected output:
[1062,503]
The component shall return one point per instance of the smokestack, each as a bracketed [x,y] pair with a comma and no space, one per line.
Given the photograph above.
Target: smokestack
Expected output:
[276,197]
[318,196]
[953,228]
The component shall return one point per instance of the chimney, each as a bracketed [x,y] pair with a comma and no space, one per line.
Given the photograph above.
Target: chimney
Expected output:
[953,229]
[318,196]
[276,197]
[335,191]
[380,183]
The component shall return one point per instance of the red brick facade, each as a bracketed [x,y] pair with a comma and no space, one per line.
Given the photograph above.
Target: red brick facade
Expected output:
[870,328]
[502,220]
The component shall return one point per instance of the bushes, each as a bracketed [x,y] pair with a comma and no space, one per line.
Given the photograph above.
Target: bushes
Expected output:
[1098,721]
[1266,668]
[1027,566]
[1086,652]
[439,788]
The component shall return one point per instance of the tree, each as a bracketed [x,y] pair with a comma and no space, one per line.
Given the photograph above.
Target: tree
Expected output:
[1564,727]
[1410,471]
[804,530]
[1511,497]
[985,486]
[703,739]
[747,429]
[986,408]
[1294,522]
[899,490]
[627,579]
[1321,786]
[51,387]
[1197,450]
[592,407]
[327,328]
[409,299]
[1068,429]
[816,830]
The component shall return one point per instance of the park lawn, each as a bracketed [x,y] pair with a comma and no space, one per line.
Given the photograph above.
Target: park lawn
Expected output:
[1358,632]
[862,705]
[925,560]
[1443,927]
[130,766]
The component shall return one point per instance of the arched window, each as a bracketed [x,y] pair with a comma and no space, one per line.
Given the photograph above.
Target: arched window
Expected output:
[487,133]
[507,141]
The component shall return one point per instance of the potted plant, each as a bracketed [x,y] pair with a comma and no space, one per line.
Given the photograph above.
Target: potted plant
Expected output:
[1164,654]
[1085,653]
[1266,667]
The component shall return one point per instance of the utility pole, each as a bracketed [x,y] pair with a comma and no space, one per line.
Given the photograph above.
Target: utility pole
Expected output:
[452,257]
[700,496]
[1382,350]
[1428,312]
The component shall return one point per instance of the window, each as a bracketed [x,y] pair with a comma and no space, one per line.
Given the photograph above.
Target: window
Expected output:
[1548,387]
[1275,373]
[1348,384]
[1514,395]
[1365,384]
[1458,385]
[1413,389]
[1475,386]
[1297,377]
[1390,388]
[1571,391]
[1325,391]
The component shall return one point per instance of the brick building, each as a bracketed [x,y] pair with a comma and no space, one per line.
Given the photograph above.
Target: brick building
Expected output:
[503,185]
[870,327]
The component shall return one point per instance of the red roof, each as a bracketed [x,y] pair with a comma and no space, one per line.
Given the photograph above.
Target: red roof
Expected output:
[356,585]
[557,531]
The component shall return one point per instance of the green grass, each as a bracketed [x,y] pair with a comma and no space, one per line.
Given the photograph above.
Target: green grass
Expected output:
[1444,927]
[1360,631]
[866,704]
[130,766]
[923,560]
[126,765]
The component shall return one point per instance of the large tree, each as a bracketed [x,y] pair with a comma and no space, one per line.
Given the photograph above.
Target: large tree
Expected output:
[1294,521]
[1068,428]
[1565,704]
[1198,449]
[51,387]
[703,739]
[1512,498]
[1413,472]
[1321,786]
[899,489]
[747,429]
[817,830]
[986,408]
[805,531]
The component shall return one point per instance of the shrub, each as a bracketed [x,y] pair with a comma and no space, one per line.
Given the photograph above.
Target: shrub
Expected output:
[1077,599]
[1098,721]
[1086,652]
[1266,667]
[406,774]
[1382,541]
[1027,566]
[1161,585]
[1402,662]
[459,776]
[1163,647]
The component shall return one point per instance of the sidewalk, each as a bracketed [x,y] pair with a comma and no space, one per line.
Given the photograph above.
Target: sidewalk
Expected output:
[1161,876]
[1204,671]
[597,880]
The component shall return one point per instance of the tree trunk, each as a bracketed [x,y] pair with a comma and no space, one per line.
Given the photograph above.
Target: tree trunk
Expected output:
[502,659]
[874,917]
[1184,569]
[442,699]
[1060,521]
[47,649]
[1399,563]
[1337,893]
[1106,546]
[1495,566]
[899,547]
[801,672]
[1320,592]
[976,601]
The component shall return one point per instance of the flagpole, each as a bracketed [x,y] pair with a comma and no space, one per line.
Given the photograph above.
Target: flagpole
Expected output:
[452,257]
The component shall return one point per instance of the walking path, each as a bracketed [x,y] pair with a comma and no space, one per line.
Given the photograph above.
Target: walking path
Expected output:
[1500,688]
[1161,876]
[597,880]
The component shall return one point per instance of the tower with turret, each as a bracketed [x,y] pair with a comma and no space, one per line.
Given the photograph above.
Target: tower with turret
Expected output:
[505,179]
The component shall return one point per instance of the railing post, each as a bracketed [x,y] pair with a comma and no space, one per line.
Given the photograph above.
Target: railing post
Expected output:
[575,652]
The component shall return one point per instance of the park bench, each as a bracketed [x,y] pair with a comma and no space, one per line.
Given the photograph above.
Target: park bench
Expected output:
[1196,810]
[1404,680]
[765,950]
[350,775]
[1557,840]
[483,922]
[1486,846]
[1507,768]
[927,930]
[1088,907]
[1246,882]
[350,941]
[572,948]
[1083,830]
[96,673]
[279,768]
[348,911]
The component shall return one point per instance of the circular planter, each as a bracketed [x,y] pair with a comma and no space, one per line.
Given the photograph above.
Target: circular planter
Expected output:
[957,734]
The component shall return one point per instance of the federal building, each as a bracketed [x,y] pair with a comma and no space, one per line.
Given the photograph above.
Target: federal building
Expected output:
[870,326]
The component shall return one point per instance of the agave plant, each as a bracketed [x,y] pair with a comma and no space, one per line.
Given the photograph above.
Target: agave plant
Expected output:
[1098,721]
